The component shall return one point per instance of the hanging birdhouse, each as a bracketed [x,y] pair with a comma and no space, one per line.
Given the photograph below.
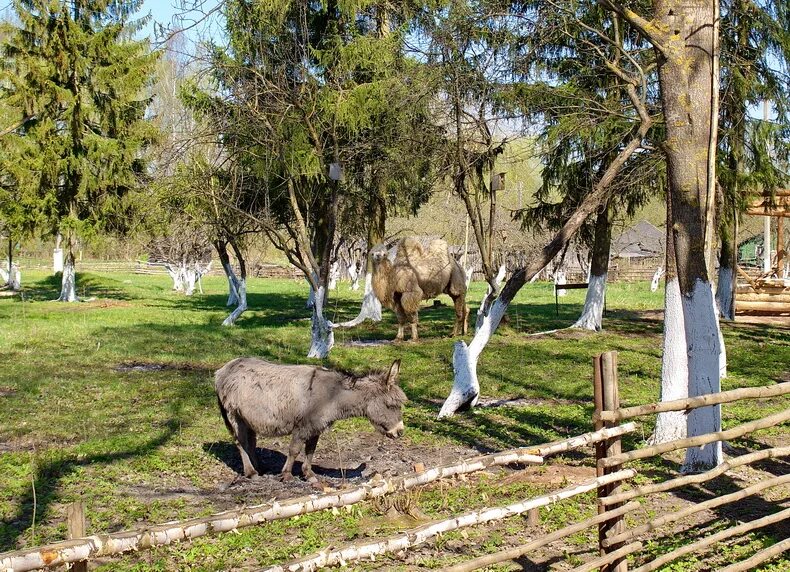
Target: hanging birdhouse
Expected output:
[335,172]
[498,181]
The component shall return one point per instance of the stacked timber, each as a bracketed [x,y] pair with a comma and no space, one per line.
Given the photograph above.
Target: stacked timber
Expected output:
[764,296]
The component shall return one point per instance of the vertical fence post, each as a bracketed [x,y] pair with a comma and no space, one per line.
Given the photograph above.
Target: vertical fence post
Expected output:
[606,393]
[75,515]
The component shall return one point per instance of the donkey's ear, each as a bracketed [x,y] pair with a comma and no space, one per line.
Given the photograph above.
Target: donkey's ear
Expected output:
[392,376]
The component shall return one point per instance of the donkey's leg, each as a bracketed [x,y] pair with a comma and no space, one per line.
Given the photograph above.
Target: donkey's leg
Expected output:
[293,451]
[245,441]
[307,466]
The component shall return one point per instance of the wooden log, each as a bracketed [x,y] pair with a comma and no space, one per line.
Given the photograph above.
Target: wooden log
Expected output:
[745,276]
[738,431]
[765,297]
[519,551]
[415,536]
[59,553]
[699,478]
[695,402]
[713,539]
[760,557]
[609,558]
[712,503]
[763,307]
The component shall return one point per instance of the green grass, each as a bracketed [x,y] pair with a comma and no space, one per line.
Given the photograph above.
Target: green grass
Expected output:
[75,425]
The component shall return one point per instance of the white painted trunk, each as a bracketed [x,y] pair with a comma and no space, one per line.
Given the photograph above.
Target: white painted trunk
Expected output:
[724,293]
[371,306]
[57,260]
[353,273]
[241,297]
[702,341]
[656,279]
[177,276]
[233,294]
[466,387]
[592,313]
[68,282]
[4,275]
[190,279]
[15,278]
[323,337]
[468,274]
[671,425]
[334,275]
[483,309]
[559,278]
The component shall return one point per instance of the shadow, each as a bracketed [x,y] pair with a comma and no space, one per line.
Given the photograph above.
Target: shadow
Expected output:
[272,461]
[88,286]
[36,502]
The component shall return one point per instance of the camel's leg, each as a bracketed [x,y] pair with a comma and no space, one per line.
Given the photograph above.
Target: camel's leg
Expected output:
[410,301]
[307,466]
[401,316]
[293,451]
[461,314]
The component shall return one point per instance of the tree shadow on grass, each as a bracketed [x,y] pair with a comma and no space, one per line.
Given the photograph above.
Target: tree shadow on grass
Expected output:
[34,503]
[88,286]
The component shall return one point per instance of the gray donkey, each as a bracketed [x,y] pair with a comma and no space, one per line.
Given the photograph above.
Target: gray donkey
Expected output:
[268,399]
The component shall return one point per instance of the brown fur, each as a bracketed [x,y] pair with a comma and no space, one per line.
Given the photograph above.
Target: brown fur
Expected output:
[416,273]
[257,397]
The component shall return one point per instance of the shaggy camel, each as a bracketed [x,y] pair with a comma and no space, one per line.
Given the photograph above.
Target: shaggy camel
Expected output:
[409,273]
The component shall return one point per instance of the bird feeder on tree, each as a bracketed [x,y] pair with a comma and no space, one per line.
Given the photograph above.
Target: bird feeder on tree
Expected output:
[335,172]
[498,181]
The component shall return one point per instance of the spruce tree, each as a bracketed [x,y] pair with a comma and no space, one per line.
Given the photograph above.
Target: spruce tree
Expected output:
[82,78]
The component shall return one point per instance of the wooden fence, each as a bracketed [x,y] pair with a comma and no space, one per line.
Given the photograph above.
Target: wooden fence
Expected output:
[616,540]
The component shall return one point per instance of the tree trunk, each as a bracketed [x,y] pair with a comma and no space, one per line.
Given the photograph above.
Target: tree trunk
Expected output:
[68,282]
[322,334]
[224,260]
[371,307]
[466,388]
[489,297]
[671,425]
[190,273]
[238,285]
[334,274]
[686,68]
[725,289]
[57,255]
[592,313]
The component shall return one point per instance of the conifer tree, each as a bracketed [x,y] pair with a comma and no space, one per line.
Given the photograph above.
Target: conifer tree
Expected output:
[81,78]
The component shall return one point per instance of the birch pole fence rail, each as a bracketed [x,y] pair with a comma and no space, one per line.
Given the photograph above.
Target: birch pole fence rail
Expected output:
[100,545]
[607,411]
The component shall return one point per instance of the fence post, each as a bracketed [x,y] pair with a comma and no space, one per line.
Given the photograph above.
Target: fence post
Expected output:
[75,515]
[606,395]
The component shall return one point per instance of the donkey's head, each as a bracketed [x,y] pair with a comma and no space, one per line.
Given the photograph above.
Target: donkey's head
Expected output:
[385,401]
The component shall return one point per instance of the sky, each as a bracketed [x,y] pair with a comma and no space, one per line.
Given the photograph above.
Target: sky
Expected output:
[166,13]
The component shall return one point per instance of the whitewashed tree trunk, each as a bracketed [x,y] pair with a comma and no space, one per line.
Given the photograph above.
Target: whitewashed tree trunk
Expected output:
[353,273]
[724,293]
[466,387]
[15,278]
[334,275]
[241,297]
[702,339]
[671,425]
[656,279]
[310,304]
[176,276]
[68,283]
[57,255]
[323,337]
[233,294]
[468,272]
[484,303]
[559,278]
[190,279]
[592,314]
[371,306]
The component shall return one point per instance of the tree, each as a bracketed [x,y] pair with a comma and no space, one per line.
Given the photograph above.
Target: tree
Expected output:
[82,79]
[465,389]
[685,37]
[301,90]
[755,45]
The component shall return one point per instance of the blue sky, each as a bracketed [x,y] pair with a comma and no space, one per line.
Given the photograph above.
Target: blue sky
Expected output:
[164,11]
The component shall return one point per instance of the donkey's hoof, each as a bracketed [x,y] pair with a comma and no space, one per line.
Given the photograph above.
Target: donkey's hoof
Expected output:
[286,477]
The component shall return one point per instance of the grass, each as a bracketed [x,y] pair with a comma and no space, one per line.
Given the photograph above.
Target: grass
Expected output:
[80,422]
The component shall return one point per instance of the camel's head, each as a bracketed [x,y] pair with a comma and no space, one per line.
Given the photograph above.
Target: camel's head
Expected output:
[378,254]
